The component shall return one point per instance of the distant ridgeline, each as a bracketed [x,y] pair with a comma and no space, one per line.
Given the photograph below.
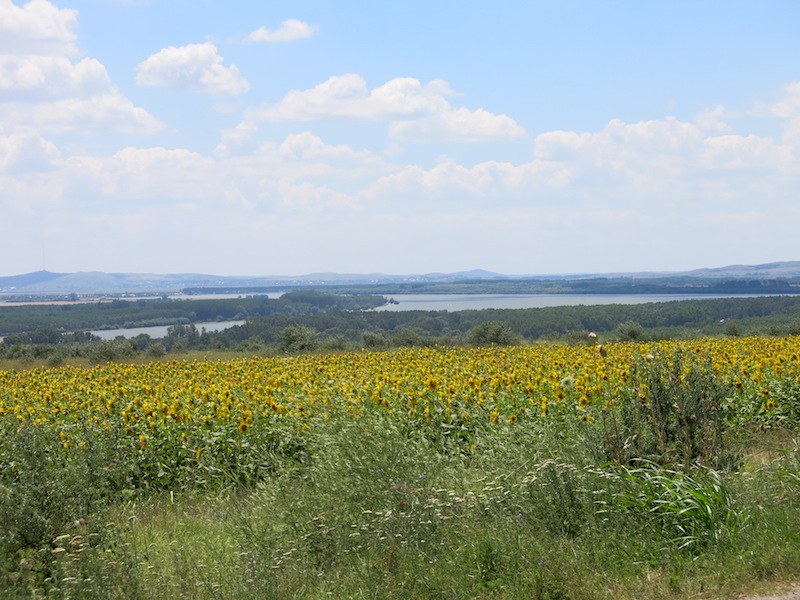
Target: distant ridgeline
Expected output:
[594,285]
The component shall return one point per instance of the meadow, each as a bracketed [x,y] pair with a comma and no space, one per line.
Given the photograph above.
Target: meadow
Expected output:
[626,470]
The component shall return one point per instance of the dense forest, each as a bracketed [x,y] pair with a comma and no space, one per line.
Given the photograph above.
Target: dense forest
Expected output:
[309,321]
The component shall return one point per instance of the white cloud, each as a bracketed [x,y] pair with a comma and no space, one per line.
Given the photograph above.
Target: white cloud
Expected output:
[239,140]
[151,174]
[290,30]
[456,125]
[668,151]
[26,152]
[736,152]
[711,120]
[307,146]
[37,27]
[299,173]
[311,197]
[348,96]
[486,181]
[417,111]
[32,77]
[98,113]
[789,105]
[196,67]
[44,89]
[236,199]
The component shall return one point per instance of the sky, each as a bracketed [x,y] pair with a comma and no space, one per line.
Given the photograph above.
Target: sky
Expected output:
[283,138]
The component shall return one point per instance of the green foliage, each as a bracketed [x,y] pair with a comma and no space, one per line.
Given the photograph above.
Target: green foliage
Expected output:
[691,511]
[45,486]
[340,324]
[298,338]
[492,332]
[675,412]
[111,350]
[630,331]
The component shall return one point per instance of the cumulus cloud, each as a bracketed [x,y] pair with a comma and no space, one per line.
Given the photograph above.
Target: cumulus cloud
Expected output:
[348,96]
[452,181]
[105,112]
[34,77]
[43,88]
[460,124]
[151,173]
[300,173]
[27,152]
[196,67]
[37,27]
[307,146]
[290,30]
[308,196]
[239,140]
[417,111]
[662,150]
[789,105]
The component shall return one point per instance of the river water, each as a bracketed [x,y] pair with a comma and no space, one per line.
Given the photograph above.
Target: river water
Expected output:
[453,302]
[161,330]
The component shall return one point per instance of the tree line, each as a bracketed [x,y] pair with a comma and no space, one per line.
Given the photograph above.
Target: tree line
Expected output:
[315,322]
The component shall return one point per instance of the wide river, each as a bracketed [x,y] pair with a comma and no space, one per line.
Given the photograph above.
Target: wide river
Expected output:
[453,302]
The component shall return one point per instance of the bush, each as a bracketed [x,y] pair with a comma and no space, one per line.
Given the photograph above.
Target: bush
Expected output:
[630,331]
[674,414]
[492,332]
[51,483]
[109,351]
[298,338]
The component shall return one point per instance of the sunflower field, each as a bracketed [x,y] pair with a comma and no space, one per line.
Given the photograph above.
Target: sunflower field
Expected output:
[75,441]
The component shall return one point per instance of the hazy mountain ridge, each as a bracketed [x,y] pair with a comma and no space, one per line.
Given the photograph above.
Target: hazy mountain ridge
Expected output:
[43,282]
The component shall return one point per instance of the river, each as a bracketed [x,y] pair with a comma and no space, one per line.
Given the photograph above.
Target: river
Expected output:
[161,330]
[454,302]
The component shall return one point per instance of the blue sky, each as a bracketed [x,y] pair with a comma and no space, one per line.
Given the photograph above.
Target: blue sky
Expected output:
[259,138]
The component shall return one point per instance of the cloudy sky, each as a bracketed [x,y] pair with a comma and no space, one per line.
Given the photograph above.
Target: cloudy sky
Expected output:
[277,138]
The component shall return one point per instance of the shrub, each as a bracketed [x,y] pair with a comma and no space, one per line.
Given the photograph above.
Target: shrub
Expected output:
[630,331]
[492,332]
[673,413]
[298,338]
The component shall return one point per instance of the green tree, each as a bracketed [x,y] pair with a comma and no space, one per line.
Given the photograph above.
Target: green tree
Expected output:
[298,338]
[492,332]
[630,331]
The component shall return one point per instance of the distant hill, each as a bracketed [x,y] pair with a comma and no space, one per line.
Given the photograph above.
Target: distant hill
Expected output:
[29,279]
[45,282]
[767,270]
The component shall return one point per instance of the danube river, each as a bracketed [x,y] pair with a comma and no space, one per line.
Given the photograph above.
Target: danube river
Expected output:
[453,302]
